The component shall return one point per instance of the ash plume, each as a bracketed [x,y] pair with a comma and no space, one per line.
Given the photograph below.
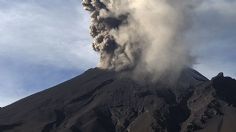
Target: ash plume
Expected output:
[143,35]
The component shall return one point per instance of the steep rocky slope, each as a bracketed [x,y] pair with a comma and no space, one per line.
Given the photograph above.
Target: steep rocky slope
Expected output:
[105,101]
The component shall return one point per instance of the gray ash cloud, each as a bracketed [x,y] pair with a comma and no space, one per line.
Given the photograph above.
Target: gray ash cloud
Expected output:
[143,35]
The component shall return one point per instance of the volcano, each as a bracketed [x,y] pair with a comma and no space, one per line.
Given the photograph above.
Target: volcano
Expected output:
[106,101]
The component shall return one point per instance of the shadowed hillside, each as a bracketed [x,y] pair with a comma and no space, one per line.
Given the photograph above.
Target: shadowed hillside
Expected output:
[104,101]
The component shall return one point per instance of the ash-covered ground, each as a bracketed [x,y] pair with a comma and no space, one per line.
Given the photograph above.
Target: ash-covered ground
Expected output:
[106,101]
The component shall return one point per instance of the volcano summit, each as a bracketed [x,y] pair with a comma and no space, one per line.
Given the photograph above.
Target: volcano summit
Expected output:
[144,82]
[105,101]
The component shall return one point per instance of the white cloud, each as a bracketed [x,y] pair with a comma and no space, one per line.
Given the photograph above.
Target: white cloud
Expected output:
[213,34]
[11,87]
[224,7]
[41,33]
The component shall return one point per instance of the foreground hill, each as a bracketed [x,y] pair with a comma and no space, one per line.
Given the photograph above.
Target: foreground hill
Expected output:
[104,101]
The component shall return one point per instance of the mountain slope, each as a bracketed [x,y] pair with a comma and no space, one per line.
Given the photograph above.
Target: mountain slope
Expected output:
[105,101]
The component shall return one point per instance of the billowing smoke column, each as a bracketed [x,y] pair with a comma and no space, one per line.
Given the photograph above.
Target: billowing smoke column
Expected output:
[145,36]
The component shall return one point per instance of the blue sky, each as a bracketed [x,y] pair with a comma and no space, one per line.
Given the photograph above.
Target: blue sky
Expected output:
[45,42]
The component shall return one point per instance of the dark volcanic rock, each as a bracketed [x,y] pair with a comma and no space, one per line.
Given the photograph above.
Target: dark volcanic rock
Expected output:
[104,101]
